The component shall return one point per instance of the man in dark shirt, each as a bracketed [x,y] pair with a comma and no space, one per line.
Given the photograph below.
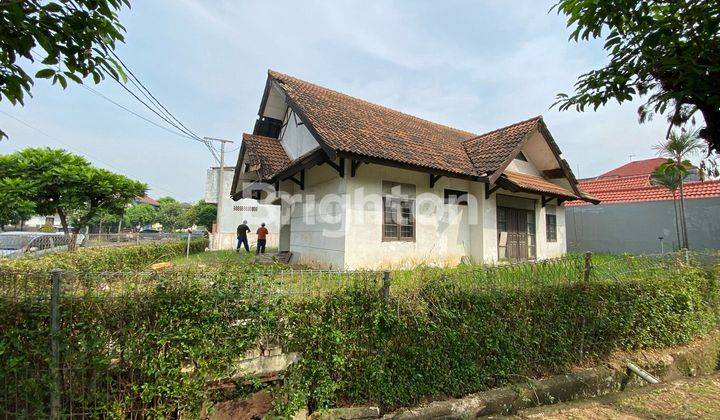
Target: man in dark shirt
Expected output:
[242,231]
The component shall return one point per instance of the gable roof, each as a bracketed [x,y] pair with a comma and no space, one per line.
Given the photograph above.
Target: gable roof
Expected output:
[489,151]
[637,167]
[266,152]
[357,129]
[347,124]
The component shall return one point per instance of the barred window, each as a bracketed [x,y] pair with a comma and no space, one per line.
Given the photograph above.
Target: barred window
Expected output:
[551,227]
[398,212]
[456,197]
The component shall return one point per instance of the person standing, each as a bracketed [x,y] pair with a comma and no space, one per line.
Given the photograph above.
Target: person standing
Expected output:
[262,233]
[242,231]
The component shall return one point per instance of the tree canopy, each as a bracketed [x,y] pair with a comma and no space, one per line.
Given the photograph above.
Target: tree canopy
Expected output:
[58,182]
[666,51]
[139,215]
[77,36]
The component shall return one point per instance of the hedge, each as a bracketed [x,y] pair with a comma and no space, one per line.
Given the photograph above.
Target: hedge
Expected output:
[120,258]
[150,345]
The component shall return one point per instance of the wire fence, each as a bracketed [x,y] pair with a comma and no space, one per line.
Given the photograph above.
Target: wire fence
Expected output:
[72,344]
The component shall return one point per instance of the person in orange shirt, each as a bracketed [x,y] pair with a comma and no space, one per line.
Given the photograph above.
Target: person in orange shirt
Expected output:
[262,233]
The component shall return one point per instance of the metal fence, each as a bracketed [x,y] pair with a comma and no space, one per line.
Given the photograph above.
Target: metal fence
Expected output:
[128,238]
[64,335]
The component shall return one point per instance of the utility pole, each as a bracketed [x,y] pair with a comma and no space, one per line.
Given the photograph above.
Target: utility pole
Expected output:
[221,184]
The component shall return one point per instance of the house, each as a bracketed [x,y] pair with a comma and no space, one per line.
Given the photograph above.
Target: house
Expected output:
[234,212]
[634,214]
[364,186]
[147,200]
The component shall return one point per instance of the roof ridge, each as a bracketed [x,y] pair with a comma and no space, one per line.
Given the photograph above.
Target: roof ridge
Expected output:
[273,74]
[537,117]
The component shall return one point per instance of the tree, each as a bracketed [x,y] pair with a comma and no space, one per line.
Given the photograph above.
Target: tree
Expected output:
[79,35]
[140,215]
[15,206]
[665,50]
[67,185]
[678,148]
[201,214]
[170,213]
[670,178]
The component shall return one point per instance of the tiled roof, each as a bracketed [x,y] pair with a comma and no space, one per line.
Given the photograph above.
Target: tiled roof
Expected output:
[147,200]
[637,167]
[638,188]
[268,152]
[353,125]
[490,150]
[537,184]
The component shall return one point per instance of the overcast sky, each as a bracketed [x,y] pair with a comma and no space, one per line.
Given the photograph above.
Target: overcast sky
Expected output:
[474,65]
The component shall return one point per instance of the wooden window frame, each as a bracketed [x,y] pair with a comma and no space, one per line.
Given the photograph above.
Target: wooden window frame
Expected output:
[550,234]
[461,197]
[398,226]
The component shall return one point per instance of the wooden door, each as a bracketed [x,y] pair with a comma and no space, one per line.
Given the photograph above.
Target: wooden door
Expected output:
[519,233]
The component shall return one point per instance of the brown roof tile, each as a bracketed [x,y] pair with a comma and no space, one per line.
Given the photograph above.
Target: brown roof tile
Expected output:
[352,125]
[490,150]
[268,152]
[537,184]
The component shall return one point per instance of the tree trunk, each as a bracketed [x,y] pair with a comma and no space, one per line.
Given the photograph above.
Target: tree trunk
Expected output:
[63,222]
[683,221]
[677,224]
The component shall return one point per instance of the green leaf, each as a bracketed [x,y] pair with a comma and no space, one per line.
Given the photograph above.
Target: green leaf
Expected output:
[45,73]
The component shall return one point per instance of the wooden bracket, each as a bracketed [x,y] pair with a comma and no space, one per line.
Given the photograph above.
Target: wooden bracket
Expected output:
[489,191]
[560,201]
[354,165]
[340,168]
[544,200]
[300,182]
[434,179]
[277,186]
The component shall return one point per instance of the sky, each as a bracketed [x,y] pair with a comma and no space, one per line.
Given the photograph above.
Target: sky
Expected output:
[473,65]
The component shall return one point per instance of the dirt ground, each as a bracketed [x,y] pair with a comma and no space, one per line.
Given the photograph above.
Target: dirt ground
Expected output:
[683,399]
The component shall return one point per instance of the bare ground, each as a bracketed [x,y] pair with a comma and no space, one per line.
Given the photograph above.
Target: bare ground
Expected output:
[692,398]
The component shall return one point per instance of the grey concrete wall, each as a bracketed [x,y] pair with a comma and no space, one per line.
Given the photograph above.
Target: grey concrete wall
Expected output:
[635,227]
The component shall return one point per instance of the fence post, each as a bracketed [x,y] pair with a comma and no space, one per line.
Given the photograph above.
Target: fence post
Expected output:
[187,249]
[55,276]
[385,291]
[588,266]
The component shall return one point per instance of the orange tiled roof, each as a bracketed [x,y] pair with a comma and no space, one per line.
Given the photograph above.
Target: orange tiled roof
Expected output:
[352,125]
[537,184]
[637,167]
[268,152]
[638,188]
[147,200]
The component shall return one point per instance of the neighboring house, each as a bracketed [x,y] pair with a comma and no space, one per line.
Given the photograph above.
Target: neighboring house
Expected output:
[364,186]
[234,212]
[634,214]
[146,200]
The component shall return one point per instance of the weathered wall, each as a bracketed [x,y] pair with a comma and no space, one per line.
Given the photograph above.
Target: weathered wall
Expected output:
[635,227]
[234,212]
[317,219]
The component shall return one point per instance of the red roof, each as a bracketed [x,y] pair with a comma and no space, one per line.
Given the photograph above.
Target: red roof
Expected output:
[637,188]
[147,200]
[638,167]
[537,184]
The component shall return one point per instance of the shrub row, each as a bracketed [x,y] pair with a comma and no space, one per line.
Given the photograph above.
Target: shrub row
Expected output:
[128,257]
[152,346]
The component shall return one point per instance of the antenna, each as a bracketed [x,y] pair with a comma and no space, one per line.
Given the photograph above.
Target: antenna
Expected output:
[631,156]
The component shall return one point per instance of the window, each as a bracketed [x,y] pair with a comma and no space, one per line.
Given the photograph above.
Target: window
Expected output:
[398,212]
[456,197]
[551,227]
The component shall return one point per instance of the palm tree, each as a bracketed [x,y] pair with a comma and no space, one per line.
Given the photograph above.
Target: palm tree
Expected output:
[678,148]
[670,178]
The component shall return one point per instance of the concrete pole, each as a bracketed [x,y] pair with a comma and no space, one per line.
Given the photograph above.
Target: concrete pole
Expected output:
[221,185]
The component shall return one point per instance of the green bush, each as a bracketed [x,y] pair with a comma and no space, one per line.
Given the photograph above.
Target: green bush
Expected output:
[149,344]
[120,258]
[444,340]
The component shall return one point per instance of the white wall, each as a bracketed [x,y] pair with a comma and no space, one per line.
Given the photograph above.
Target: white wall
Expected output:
[317,219]
[234,212]
[295,137]
[438,240]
